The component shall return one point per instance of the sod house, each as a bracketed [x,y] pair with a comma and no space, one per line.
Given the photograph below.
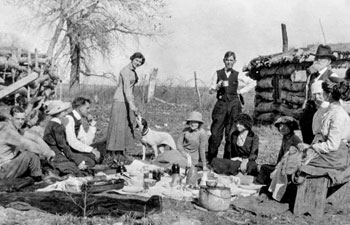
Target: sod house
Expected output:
[281,80]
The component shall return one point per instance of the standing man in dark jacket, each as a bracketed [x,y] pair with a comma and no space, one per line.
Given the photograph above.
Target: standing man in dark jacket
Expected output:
[225,83]
[319,70]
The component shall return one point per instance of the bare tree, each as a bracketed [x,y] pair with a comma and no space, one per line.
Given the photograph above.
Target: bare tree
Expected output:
[83,28]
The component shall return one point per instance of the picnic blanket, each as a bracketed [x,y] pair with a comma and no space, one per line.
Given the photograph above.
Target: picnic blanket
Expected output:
[58,202]
[134,184]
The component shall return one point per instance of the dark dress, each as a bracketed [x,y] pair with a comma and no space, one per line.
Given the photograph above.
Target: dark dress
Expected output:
[266,169]
[249,150]
[65,161]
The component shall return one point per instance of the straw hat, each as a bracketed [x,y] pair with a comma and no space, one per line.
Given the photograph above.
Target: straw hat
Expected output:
[195,116]
[57,107]
[289,121]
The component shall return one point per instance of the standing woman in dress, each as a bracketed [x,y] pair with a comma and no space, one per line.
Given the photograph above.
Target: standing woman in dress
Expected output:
[121,130]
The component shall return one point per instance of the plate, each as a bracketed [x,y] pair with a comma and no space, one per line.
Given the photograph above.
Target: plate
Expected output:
[251,186]
[132,189]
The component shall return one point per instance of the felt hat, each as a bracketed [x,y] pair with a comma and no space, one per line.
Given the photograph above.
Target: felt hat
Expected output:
[245,120]
[57,107]
[316,87]
[324,51]
[195,116]
[289,121]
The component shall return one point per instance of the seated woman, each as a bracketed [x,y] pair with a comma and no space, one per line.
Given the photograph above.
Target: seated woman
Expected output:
[329,146]
[286,125]
[328,149]
[65,161]
[192,142]
[244,150]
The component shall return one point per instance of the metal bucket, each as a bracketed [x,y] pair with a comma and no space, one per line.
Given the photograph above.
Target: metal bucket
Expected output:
[215,198]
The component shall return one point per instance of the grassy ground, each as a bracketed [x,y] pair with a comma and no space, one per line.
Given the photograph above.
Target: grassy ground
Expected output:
[170,118]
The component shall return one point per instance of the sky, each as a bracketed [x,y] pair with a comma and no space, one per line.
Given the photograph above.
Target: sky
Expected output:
[199,32]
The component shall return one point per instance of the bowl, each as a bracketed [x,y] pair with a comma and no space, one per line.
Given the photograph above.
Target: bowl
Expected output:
[246,179]
[148,182]
[211,183]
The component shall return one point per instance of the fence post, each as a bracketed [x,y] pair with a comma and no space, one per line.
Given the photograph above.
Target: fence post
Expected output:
[197,91]
[152,84]
[284,38]
[144,88]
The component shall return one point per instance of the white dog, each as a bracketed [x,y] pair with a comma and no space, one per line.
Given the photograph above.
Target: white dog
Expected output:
[154,139]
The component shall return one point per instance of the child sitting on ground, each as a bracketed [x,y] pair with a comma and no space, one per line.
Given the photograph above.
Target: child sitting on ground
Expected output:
[191,142]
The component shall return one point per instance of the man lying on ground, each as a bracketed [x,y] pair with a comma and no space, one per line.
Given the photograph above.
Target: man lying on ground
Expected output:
[18,154]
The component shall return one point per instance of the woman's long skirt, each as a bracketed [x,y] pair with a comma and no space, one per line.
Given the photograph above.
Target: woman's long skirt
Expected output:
[333,160]
[120,133]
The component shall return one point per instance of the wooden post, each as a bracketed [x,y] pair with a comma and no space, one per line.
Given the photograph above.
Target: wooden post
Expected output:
[29,61]
[152,84]
[284,38]
[18,84]
[144,89]
[36,59]
[197,91]
[311,197]
[13,74]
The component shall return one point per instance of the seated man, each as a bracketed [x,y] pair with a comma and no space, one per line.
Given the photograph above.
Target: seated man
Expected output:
[18,154]
[78,139]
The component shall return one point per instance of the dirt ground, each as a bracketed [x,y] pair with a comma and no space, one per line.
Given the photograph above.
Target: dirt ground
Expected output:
[170,118]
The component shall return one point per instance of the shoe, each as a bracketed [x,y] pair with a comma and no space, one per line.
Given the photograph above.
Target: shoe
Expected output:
[123,157]
[298,178]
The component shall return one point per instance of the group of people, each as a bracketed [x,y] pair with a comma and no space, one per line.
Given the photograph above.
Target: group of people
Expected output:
[324,125]
[65,143]
[61,144]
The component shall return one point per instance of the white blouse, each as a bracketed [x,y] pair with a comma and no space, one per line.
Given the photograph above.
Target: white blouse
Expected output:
[335,128]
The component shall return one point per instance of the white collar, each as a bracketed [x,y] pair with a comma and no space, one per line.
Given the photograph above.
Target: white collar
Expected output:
[55,119]
[76,114]
[320,73]
[324,104]
[323,71]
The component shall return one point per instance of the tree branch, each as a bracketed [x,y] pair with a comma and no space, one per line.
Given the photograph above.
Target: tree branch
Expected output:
[110,76]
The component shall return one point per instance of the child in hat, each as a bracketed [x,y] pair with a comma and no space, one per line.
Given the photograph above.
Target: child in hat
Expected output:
[193,139]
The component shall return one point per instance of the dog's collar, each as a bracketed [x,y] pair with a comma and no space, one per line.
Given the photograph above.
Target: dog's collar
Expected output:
[144,133]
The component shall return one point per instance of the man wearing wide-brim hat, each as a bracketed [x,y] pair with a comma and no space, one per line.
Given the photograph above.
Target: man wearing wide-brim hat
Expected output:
[319,70]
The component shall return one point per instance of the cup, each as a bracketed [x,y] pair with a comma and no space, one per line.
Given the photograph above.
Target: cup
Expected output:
[225,83]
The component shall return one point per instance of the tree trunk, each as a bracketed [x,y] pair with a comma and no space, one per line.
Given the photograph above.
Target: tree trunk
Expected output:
[75,54]
[55,37]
